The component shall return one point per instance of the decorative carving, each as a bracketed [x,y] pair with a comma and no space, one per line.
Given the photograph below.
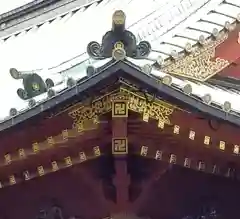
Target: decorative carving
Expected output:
[119,146]
[118,40]
[120,107]
[201,64]
[156,109]
[33,84]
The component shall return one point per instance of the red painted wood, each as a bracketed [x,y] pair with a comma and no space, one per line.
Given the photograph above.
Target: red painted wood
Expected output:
[230,50]
[121,178]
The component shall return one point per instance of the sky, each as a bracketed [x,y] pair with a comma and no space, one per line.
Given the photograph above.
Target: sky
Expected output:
[12,4]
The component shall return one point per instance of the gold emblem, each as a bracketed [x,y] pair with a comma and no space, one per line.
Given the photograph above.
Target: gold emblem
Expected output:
[158,155]
[40,171]
[119,146]
[176,129]
[161,124]
[236,149]
[119,109]
[146,116]
[201,166]
[7,158]
[50,141]
[55,166]
[187,162]
[206,140]
[12,180]
[96,151]
[144,151]
[173,159]
[68,161]
[35,86]
[82,157]
[35,147]
[222,145]
[26,175]
[65,135]
[192,135]
[21,153]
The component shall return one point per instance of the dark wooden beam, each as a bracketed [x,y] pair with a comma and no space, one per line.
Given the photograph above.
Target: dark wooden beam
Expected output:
[121,179]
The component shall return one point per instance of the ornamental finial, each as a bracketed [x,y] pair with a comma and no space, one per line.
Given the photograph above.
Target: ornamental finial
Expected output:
[33,84]
[118,43]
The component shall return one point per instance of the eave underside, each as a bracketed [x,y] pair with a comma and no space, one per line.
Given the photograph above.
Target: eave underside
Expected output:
[157,188]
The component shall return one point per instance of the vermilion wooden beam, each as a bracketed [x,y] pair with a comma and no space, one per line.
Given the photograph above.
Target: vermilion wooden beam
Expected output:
[120,150]
[84,174]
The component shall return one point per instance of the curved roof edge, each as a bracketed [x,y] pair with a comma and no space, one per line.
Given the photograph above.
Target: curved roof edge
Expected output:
[110,68]
[35,9]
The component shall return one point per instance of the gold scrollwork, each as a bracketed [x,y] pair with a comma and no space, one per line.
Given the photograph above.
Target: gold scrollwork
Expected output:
[201,64]
[123,100]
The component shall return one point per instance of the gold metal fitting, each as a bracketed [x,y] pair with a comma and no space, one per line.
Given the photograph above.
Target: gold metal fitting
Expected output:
[118,52]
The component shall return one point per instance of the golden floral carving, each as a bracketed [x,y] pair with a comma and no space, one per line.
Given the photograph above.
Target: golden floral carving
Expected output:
[156,109]
[201,64]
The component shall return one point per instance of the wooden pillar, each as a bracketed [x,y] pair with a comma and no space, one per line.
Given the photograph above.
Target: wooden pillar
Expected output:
[120,151]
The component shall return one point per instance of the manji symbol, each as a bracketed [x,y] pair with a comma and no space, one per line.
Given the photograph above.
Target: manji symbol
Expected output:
[119,109]
[119,146]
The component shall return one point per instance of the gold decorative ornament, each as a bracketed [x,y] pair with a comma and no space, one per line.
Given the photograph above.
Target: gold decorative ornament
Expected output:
[173,159]
[8,159]
[119,106]
[158,155]
[201,63]
[97,151]
[119,146]
[161,124]
[26,175]
[12,180]
[65,134]
[191,135]
[50,141]
[206,140]
[156,109]
[68,161]
[236,149]
[82,157]
[35,147]
[55,166]
[40,171]
[118,52]
[176,129]
[21,153]
[35,86]
[187,162]
[144,151]
[201,166]
[222,145]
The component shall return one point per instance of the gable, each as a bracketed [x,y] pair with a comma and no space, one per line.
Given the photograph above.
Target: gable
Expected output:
[76,69]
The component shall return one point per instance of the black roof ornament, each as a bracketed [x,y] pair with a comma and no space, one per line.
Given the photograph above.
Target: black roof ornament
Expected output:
[33,84]
[118,43]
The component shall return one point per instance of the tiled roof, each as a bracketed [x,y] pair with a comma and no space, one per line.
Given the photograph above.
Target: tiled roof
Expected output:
[57,47]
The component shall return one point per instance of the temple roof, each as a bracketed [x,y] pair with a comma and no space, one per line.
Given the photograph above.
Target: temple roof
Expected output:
[57,49]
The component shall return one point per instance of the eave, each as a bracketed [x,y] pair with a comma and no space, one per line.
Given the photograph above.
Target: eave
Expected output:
[128,70]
